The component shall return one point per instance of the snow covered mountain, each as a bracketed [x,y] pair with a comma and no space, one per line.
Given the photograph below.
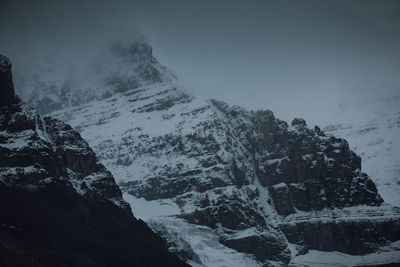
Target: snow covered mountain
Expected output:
[59,206]
[375,137]
[223,185]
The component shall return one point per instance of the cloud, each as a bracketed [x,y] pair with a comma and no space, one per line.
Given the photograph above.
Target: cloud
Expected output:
[296,58]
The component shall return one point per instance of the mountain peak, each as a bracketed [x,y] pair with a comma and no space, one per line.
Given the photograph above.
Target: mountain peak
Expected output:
[138,51]
[123,66]
[299,121]
[5,63]
[7,94]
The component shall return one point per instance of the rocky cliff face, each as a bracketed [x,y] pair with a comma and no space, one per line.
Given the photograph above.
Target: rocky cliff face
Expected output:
[374,136]
[59,204]
[7,94]
[229,186]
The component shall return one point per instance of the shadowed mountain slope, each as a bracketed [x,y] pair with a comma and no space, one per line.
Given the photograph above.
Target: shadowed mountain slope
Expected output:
[59,206]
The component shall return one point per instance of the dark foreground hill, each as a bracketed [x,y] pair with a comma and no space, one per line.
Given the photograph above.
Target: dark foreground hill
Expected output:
[59,206]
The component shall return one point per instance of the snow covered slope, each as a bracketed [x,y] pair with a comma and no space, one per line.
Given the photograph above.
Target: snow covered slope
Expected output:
[374,135]
[226,186]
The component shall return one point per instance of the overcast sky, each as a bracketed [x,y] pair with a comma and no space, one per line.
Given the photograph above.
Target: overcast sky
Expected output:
[297,58]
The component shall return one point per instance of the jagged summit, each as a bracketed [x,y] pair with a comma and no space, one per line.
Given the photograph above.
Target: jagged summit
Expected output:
[374,136]
[5,64]
[137,51]
[299,121]
[7,94]
[118,68]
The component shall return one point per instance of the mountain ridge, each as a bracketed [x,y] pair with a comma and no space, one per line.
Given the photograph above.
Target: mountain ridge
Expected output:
[218,179]
[374,137]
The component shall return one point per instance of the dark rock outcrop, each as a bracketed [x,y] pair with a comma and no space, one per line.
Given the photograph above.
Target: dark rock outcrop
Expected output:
[59,206]
[262,246]
[306,170]
[356,237]
[7,94]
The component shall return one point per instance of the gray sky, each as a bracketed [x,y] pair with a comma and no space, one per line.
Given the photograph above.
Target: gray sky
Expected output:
[297,58]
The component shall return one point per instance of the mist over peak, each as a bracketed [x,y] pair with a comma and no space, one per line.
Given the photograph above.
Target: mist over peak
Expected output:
[62,80]
[287,57]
